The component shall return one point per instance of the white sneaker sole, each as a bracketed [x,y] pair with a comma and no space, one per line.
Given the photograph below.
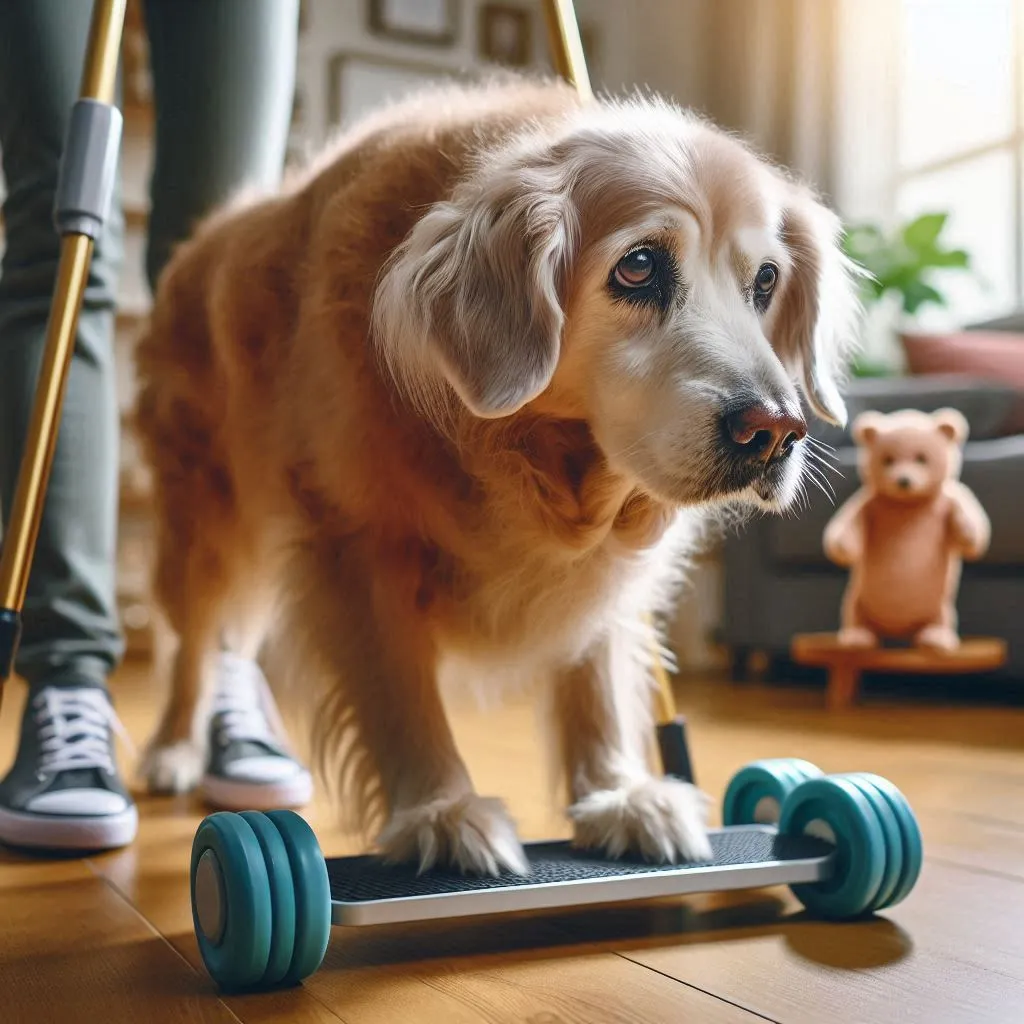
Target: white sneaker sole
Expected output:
[229,795]
[64,832]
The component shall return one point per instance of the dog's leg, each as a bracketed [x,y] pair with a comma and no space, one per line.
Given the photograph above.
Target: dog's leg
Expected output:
[200,555]
[402,760]
[602,708]
[175,755]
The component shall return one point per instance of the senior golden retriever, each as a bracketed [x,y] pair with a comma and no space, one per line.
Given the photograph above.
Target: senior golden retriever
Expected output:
[458,400]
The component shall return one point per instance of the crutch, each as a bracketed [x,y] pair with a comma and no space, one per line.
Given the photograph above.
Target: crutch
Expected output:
[84,190]
[570,62]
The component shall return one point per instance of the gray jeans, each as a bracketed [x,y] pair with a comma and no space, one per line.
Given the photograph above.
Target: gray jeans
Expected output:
[223,79]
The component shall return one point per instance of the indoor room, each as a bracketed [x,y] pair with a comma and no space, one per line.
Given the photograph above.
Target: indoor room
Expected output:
[512,512]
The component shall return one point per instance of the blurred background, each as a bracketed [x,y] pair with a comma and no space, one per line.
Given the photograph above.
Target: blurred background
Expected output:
[906,114]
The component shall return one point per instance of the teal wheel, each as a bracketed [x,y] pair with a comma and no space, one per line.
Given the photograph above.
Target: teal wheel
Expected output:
[892,867]
[312,894]
[839,809]
[756,792]
[231,901]
[909,844]
[261,903]
[282,898]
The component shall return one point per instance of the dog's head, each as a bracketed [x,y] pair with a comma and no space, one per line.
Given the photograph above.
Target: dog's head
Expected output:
[643,271]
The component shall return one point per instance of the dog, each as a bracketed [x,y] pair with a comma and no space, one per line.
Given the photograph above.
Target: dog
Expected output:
[459,401]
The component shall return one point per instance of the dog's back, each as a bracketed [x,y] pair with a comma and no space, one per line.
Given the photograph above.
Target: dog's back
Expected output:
[256,360]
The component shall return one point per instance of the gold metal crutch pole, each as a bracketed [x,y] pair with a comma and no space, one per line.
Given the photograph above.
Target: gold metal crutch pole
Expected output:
[84,190]
[570,62]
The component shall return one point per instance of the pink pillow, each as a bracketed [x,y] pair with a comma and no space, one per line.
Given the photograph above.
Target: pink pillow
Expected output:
[996,355]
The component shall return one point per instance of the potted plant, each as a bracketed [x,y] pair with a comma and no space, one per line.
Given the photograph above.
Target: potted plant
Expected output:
[903,269]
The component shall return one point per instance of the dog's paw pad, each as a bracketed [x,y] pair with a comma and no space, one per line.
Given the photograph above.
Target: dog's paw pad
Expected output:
[471,833]
[173,767]
[662,820]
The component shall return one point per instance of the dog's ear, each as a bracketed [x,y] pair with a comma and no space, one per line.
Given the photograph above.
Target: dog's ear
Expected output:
[817,316]
[472,295]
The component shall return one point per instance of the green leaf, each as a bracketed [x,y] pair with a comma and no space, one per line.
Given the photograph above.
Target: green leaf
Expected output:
[951,258]
[921,234]
[870,368]
[900,262]
[917,293]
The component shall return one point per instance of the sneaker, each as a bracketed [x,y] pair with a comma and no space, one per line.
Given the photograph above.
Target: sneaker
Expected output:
[249,765]
[63,791]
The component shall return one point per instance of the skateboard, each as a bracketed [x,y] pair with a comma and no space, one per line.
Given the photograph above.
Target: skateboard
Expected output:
[264,897]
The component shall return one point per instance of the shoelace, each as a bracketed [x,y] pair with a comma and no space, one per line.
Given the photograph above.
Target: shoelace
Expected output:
[244,705]
[72,725]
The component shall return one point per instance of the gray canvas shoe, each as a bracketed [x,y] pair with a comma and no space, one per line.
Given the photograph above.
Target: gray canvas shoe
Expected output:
[249,766]
[63,791]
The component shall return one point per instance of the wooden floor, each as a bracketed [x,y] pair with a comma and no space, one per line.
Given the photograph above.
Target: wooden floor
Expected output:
[110,938]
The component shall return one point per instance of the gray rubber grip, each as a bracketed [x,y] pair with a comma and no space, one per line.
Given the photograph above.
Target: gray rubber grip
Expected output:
[88,169]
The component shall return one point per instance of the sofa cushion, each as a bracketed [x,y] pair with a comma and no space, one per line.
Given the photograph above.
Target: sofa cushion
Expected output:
[992,355]
[993,469]
[987,405]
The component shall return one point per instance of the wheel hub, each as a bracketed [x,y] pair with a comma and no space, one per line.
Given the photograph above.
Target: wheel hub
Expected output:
[210,903]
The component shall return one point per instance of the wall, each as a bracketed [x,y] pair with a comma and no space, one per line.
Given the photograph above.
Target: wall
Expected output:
[653,42]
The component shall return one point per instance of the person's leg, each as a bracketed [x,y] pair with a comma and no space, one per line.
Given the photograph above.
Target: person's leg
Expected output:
[71,639]
[223,85]
[70,620]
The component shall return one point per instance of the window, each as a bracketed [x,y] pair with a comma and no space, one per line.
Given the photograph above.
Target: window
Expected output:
[960,141]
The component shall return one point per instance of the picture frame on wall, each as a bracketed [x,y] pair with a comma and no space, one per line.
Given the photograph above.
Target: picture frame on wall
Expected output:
[505,34]
[358,82]
[426,22]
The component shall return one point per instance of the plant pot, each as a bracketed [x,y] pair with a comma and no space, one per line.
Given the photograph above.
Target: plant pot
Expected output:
[992,355]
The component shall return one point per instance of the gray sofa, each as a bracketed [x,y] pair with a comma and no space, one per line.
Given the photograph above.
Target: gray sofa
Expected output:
[777,581]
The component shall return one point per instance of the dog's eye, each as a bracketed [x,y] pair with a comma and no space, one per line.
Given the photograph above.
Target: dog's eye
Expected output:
[646,276]
[922,458]
[888,460]
[764,285]
[636,269]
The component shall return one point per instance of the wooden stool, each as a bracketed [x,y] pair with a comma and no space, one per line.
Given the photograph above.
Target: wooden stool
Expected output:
[845,664]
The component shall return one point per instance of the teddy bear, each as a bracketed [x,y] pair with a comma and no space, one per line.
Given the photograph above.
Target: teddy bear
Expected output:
[905,533]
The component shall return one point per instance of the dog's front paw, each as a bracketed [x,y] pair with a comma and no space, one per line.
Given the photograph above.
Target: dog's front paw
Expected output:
[663,820]
[173,767]
[471,833]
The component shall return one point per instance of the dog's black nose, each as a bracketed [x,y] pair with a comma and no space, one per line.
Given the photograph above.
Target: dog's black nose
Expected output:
[764,433]
[903,483]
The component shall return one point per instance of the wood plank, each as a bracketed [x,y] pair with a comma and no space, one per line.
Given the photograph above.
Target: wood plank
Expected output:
[953,952]
[512,970]
[72,950]
[973,841]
